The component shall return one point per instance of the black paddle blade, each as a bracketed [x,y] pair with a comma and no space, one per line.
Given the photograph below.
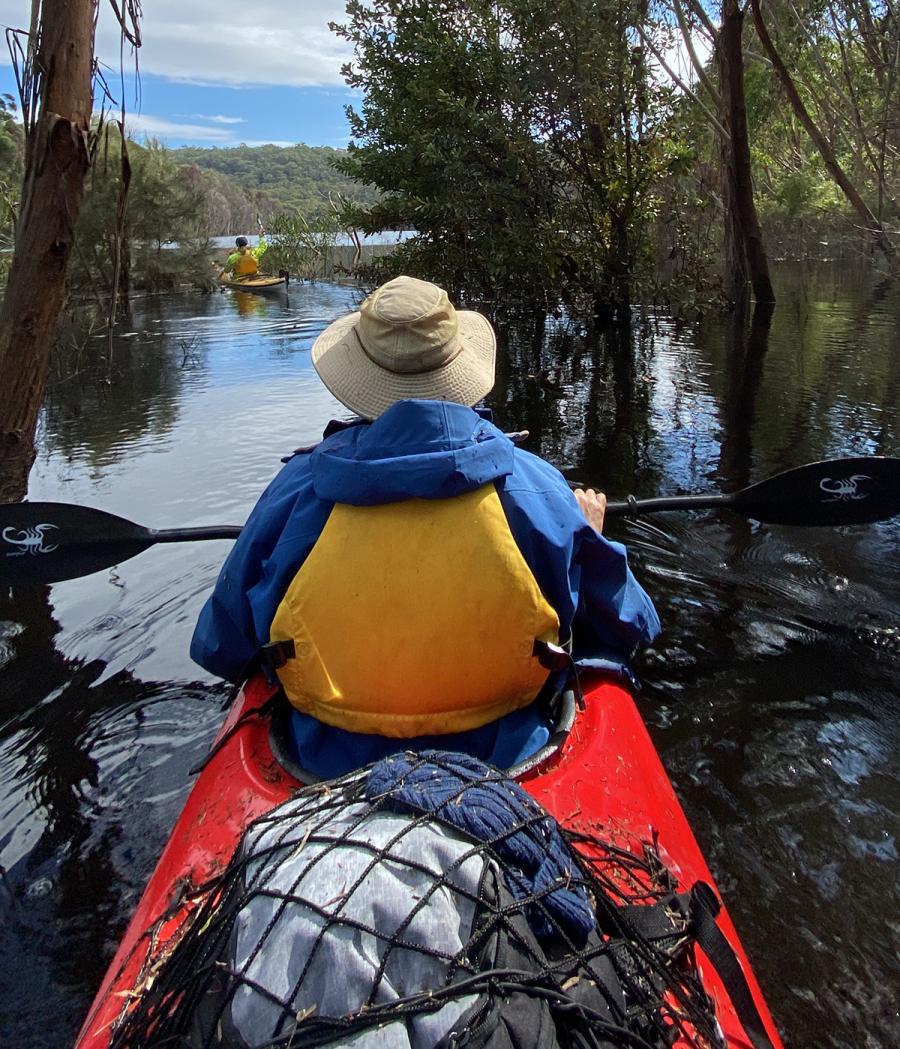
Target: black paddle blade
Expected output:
[47,542]
[835,492]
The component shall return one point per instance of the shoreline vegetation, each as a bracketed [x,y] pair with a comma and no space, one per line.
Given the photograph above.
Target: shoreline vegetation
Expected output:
[584,156]
[181,200]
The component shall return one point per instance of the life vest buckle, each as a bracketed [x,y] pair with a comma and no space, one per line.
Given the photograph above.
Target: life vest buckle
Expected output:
[559,660]
[551,657]
[273,656]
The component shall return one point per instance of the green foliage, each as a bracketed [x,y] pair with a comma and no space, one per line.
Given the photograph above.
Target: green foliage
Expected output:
[519,139]
[11,162]
[230,208]
[844,59]
[11,142]
[300,246]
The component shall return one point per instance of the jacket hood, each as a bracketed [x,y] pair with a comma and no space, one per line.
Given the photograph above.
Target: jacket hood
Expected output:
[414,450]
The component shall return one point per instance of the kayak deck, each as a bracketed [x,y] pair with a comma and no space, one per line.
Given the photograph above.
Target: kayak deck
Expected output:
[253,283]
[605,777]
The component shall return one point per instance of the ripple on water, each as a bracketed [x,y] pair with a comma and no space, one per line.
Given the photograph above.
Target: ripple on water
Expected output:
[9,631]
[852,751]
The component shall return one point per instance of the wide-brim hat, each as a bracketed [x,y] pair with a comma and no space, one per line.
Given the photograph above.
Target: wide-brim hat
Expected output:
[406,340]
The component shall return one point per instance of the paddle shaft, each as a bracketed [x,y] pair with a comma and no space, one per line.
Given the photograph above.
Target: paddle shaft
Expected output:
[190,535]
[632,507]
[638,507]
[49,542]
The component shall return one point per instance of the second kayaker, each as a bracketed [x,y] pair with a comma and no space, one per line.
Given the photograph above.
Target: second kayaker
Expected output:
[412,577]
[244,260]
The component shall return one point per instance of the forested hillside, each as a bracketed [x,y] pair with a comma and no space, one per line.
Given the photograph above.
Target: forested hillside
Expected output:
[278,178]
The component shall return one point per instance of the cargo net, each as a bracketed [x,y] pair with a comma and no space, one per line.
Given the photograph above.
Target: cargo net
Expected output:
[426,901]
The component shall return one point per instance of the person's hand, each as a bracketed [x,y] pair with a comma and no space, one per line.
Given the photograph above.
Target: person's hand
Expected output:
[593,506]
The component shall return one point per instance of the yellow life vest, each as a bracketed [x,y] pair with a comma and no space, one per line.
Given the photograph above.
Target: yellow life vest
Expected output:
[414,618]
[246,265]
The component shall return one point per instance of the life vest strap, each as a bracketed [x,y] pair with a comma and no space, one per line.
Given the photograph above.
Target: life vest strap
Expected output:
[558,659]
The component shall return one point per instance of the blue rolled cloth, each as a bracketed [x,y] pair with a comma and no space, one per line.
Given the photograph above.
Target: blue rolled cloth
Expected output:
[480,801]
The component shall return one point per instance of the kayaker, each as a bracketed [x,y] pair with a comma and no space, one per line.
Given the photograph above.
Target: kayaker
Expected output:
[244,260]
[413,578]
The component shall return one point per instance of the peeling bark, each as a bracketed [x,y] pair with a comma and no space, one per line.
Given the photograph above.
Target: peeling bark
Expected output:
[57,162]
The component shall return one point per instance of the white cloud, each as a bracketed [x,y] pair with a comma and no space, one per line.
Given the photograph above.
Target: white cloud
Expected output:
[163,128]
[143,124]
[227,42]
[218,119]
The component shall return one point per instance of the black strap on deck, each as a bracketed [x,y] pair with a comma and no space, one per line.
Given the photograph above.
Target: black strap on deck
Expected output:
[704,906]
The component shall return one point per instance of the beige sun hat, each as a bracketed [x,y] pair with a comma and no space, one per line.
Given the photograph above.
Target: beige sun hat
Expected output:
[407,340]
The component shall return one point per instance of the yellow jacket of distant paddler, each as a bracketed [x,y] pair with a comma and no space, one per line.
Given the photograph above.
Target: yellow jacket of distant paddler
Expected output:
[245,261]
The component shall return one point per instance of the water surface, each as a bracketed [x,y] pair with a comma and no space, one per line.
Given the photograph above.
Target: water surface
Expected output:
[771,694]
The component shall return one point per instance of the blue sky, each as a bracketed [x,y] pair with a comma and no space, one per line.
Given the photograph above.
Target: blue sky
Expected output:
[222,72]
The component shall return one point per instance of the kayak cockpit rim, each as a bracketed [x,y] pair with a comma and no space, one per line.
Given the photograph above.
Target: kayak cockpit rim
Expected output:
[560,710]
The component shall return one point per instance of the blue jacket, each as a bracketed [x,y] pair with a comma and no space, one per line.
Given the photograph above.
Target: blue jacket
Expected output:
[430,450]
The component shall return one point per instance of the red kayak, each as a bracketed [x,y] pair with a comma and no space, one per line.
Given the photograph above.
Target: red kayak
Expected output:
[601,774]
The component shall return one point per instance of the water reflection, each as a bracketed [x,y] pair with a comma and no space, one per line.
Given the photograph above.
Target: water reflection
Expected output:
[771,695]
[75,772]
[745,352]
[249,304]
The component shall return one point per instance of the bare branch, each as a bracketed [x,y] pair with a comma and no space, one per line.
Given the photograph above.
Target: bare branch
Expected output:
[700,14]
[676,79]
[695,61]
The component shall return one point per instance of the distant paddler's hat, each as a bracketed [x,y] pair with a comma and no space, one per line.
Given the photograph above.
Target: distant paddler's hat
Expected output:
[407,340]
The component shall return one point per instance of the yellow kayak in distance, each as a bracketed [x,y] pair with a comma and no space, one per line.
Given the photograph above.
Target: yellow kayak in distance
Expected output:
[254,283]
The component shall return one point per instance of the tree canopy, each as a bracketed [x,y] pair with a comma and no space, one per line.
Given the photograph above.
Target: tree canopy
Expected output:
[553,152]
[518,138]
[165,206]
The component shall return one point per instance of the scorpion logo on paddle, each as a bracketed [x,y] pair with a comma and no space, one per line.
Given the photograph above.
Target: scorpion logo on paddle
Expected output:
[845,489]
[29,540]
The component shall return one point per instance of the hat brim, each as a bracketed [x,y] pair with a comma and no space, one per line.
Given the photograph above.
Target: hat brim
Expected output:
[368,389]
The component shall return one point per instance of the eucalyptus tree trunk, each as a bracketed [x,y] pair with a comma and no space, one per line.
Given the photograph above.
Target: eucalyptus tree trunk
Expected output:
[744,250]
[56,164]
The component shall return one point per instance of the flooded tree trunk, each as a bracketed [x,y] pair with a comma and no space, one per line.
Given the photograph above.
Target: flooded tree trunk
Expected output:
[745,253]
[125,269]
[56,163]
[121,283]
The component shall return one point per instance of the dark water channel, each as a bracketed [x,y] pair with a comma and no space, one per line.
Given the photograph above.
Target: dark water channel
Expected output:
[772,694]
